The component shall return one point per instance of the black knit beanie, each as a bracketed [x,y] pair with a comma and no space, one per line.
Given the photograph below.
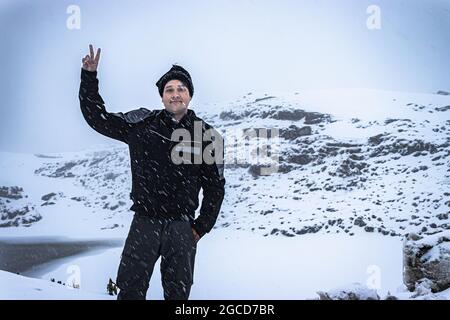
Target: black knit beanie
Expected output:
[177,73]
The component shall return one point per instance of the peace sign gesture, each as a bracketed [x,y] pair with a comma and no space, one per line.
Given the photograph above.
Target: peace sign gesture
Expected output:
[90,62]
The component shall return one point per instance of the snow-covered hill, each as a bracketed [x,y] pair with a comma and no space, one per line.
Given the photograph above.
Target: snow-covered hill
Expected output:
[17,287]
[351,161]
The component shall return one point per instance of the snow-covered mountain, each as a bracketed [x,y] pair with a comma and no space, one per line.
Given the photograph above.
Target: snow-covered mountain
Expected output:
[349,161]
[356,170]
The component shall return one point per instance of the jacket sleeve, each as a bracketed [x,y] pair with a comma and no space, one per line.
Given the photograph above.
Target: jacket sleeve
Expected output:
[112,125]
[213,185]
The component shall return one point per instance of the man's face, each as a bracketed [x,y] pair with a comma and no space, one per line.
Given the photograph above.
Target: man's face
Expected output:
[176,97]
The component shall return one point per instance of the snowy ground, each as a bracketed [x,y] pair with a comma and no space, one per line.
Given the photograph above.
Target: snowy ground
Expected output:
[250,267]
[17,287]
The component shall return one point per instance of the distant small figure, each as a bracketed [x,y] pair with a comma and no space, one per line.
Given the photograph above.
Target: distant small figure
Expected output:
[111,288]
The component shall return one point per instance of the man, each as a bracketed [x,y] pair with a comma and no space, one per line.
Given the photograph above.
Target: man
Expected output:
[164,191]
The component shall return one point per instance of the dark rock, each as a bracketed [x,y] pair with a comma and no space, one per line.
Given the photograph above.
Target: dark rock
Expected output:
[47,204]
[376,140]
[309,229]
[48,196]
[442,109]
[265,98]
[359,222]
[301,159]
[393,120]
[294,132]
[11,192]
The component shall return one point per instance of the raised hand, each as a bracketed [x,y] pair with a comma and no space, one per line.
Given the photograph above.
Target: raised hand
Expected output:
[90,62]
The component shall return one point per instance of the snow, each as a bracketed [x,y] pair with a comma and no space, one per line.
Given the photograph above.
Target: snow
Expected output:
[292,268]
[436,253]
[66,217]
[370,104]
[353,290]
[434,239]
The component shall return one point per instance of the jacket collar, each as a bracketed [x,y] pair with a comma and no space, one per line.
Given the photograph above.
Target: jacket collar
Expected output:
[186,121]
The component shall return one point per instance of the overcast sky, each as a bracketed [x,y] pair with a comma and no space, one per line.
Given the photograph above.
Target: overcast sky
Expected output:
[229,47]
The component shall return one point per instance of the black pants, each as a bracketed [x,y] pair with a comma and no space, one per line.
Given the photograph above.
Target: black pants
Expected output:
[149,238]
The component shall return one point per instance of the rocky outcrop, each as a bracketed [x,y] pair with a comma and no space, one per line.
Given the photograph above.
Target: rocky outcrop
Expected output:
[355,291]
[15,210]
[426,259]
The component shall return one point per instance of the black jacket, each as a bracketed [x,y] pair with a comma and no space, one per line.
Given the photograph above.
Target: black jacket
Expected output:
[159,186]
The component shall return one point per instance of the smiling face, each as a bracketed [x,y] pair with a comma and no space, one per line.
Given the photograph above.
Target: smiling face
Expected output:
[176,97]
